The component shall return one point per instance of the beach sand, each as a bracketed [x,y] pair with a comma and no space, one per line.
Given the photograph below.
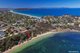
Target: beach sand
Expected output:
[24,14]
[18,48]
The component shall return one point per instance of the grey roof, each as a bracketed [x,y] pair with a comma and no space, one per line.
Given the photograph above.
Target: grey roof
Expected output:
[2,33]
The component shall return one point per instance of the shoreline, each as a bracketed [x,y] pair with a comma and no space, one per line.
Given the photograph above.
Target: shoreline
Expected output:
[25,44]
[39,37]
[24,14]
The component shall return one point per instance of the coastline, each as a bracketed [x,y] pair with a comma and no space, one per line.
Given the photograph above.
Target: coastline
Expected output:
[24,14]
[26,44]
[70,27]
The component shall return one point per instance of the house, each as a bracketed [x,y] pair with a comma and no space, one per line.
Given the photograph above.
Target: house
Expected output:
[2,34]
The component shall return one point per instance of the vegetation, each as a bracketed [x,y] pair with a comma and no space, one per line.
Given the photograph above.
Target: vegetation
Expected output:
[15,24]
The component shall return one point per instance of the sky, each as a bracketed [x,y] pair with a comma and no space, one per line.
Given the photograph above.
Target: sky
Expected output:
[39,3]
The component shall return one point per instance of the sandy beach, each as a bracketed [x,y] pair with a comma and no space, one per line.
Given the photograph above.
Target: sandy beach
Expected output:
[24,14]
[26,44]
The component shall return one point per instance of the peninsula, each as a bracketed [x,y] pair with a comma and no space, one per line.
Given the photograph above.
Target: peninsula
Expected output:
[15,28]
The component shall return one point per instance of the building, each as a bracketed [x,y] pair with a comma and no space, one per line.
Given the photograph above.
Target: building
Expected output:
[2,34]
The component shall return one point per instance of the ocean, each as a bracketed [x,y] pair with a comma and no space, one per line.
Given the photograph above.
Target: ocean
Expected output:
[51,12]
[65,42]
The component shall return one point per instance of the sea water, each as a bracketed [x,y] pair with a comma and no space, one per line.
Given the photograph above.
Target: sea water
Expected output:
[66,42]
[51,11]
